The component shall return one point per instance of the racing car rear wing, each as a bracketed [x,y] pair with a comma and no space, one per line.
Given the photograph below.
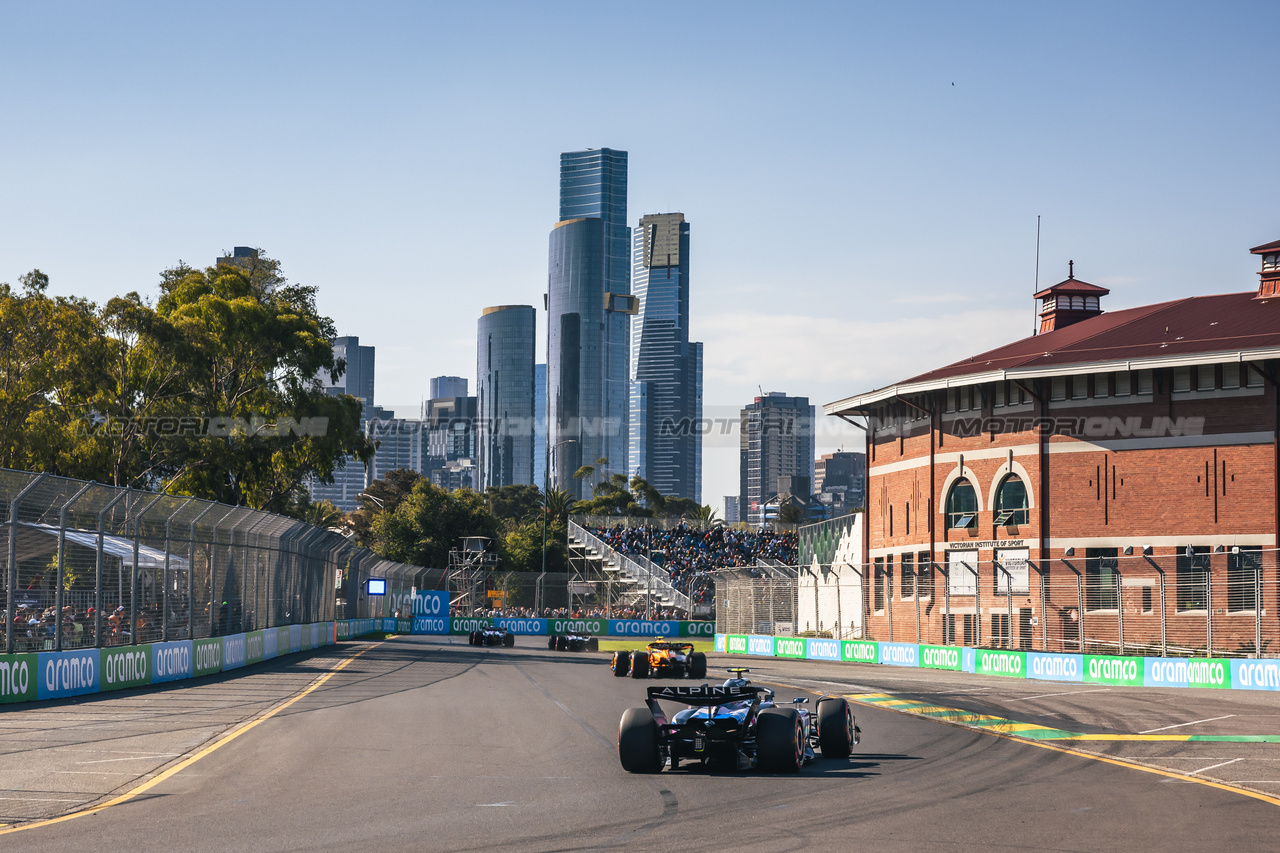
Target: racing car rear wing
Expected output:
[706,695]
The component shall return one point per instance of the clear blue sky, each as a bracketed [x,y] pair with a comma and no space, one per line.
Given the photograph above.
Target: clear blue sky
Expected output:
[862,180]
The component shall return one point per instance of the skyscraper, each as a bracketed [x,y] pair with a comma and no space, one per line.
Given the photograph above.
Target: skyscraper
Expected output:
[448,386]
[589,304]
[349,480]
[539,425]
[504,395]
[776,441]
[666,368]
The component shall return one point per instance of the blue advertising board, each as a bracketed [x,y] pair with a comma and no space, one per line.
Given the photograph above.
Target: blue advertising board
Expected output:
[170,661]
[69,673]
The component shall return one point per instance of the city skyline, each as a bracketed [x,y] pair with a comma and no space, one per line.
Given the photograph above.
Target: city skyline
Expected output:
[847,225]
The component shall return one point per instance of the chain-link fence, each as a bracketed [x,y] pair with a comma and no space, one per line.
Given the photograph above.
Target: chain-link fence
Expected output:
[1219,601]
[89,565]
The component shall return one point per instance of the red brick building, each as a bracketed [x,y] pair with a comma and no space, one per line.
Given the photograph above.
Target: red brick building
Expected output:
[1110,482]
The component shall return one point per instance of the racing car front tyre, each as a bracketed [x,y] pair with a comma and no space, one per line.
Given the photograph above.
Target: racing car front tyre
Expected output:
[621,663]
[697,665]
[639,664]
[508,639]
[472,639]
[779,740]
[835,727]
[562,644]
[593,644]
[638,741]
[551,642]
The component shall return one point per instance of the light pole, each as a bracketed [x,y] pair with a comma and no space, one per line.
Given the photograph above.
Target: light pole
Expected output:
[546,487]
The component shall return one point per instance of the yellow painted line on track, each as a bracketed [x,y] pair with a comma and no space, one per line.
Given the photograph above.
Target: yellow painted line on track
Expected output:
[882,700]
[187,762]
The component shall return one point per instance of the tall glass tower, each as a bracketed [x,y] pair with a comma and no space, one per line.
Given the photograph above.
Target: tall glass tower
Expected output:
[666,368]
[589,304]
[504,395]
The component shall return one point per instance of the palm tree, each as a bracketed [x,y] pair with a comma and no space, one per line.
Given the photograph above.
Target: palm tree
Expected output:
[705,514]
[558,503]
[324,515]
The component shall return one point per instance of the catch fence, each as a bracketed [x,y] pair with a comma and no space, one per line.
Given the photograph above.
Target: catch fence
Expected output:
[88,565]
[1220,602]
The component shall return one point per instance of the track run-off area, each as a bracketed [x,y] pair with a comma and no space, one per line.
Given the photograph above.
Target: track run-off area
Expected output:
[427,743]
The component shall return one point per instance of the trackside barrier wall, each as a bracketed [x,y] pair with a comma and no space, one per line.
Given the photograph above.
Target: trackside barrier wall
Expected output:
[56,675]
[1222,673]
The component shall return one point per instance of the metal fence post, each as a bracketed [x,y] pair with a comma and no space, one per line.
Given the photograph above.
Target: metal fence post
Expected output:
[62,556]
[1257,608]
[1164,620]
[133,574]
[1044,612]
[1208,605]
[11,587]
[97,581]
[164,575]
[1120,604]
[191,573]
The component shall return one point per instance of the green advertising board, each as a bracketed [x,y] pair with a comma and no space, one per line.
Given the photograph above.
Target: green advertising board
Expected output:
[207,656]
[1007,663]
[735,644]
[467,624]
[404,626]
[19,675]
[697,629]
[940,657]
[861,651]
[788,647]
[1105,669]
[253,647]
[126,666]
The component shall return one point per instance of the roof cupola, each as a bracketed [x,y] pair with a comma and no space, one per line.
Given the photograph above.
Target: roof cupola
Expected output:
[1069,301]
[1269,286]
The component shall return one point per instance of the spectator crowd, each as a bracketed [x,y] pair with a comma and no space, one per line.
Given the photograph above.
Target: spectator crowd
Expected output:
[690,555]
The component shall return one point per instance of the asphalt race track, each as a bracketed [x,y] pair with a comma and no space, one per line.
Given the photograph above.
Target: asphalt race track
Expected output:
[429,744]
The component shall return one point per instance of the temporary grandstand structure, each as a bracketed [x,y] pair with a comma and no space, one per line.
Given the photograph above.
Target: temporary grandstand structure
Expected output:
[600,575]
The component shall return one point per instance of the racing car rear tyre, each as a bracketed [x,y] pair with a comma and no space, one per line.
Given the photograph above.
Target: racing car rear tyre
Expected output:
[779,740]
[835,727]
[638,741]
[562,644]
[508,639]
[639,664]
[473,638]
[621,663]
[552,641]
[593,644]
[697,665]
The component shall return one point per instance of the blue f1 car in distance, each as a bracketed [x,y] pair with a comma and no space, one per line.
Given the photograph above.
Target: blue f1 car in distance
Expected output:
[492,637]
[573,643]
[733,726]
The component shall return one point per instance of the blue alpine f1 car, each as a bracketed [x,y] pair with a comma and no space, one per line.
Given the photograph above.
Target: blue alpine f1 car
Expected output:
[734,726]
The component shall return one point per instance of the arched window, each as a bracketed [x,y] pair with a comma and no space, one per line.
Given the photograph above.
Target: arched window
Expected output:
[962,505]
[1012,507]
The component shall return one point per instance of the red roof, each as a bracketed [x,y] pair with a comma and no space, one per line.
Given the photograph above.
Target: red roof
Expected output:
[1265,247]
[1073,287]
[1199,324]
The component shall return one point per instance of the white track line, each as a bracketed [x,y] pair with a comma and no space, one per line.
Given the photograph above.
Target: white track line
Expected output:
[1212,766]
[1180,725]
[1050,695]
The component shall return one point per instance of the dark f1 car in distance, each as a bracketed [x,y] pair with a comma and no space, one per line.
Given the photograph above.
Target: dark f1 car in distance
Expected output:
[735,726]
[573,643]
[662,659]
[492,637]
